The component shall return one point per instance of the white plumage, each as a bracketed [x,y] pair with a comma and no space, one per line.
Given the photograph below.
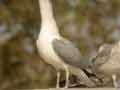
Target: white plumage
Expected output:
[49,33]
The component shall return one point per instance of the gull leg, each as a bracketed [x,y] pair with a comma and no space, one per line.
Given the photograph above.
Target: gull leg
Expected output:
[115,81]
[67,77]
[58,79]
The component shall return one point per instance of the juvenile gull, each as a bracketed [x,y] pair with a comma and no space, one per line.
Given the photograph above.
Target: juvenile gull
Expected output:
[106,65]
[57,51]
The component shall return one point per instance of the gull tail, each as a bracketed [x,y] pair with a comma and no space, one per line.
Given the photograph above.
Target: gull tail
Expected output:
[81,76]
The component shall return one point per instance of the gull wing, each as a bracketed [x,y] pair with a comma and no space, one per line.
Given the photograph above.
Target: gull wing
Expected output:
[69,53]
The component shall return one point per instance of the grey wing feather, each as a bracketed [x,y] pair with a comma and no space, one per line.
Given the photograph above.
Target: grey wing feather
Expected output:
[69,53]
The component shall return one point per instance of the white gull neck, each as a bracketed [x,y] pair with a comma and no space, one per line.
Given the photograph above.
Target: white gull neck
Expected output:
[48,23]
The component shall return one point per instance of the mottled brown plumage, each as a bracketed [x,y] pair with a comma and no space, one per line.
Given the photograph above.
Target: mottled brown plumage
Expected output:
[107,63]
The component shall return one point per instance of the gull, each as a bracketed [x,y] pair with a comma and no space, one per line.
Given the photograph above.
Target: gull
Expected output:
[57,51]
[106,65]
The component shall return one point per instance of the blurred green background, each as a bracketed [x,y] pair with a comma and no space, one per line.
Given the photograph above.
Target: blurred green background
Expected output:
[87,23]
